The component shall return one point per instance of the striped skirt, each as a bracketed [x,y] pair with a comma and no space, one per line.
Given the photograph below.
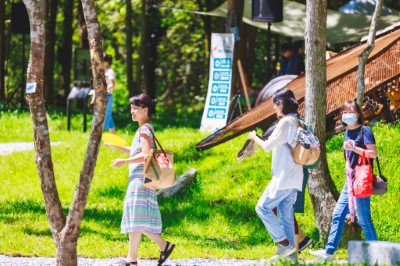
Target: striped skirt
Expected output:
[141,212]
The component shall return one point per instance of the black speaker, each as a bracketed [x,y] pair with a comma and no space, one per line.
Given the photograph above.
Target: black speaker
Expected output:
[19,19]
[267,10]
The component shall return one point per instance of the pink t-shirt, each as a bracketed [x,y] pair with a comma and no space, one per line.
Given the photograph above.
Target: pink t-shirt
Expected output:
[110,76]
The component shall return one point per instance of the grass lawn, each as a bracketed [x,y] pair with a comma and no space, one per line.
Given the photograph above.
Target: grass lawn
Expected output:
[214,218]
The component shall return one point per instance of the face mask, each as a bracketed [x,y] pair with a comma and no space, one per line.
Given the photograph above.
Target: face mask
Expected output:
[349,119]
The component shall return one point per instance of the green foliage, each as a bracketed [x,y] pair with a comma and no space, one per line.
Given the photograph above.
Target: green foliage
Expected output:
[181,64]
[213,218]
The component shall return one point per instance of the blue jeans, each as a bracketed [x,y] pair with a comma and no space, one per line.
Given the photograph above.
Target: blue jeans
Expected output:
[283,227]
[363,212]
[108,121]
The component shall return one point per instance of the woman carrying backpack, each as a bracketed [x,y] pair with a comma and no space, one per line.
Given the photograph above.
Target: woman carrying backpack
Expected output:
[287,176]
[358,139]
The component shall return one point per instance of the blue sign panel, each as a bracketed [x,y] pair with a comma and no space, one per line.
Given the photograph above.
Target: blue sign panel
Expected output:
[220,88]
[222,76]
[216,113]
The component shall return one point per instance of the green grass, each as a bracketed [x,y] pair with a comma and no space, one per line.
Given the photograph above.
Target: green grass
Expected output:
[213,218]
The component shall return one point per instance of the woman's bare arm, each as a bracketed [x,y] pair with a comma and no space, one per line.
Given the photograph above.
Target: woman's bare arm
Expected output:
[124,149]
[145,143]
[370,150]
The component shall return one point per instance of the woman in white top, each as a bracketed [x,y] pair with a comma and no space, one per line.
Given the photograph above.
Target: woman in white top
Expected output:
[287,176]
[110,81]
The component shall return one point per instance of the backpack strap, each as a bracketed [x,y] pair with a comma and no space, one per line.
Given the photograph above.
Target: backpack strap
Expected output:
[362,134]
[379,167]
[377,158]
[294,120]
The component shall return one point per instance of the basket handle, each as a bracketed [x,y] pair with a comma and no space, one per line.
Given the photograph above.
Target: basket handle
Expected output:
[155,138]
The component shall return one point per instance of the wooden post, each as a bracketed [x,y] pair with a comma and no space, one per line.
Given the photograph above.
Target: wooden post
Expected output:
[244,84]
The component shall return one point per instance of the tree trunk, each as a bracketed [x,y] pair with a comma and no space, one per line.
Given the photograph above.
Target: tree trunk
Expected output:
[150,34]
[207,38]
[66,53]
[65,231]
[71,231]
[2,51]
[246,48]
[129,48]
[143,45]
[363,57]
[44,164]
[83,34]
[66,250]
[235,8]
[321,188]
[154,38]
[49,53]
[277,51]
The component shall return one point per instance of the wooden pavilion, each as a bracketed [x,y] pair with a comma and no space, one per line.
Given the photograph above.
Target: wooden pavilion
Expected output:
[382,89]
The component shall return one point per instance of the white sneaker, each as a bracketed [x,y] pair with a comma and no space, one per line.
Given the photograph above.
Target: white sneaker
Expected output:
[282,252]
[292,257]
[321,254]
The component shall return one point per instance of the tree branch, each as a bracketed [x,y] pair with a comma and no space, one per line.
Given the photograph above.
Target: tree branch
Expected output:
[363,57]
[44,163]
[96,52]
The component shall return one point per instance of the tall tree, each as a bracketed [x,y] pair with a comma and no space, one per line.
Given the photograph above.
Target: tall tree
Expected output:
[207,31]
[129,49]
[65,230]
[322,190]
[246,51]
[142,45]
[149,38]
[83,34]
[2,50]
[363,57]
[66,52]
[49,59]
[235,10]
[44,163]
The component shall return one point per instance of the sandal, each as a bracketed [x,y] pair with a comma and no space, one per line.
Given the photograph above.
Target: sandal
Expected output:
[125,263]
[165,254]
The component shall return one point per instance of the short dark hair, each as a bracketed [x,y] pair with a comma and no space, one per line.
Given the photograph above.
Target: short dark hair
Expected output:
[352,105]
[107,58]
[144,100]
[286,47]
[285,97]
[297,45]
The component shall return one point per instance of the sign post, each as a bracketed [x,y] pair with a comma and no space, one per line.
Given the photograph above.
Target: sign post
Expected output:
[216,109]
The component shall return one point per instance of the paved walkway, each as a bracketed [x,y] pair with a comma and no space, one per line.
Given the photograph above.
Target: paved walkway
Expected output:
[10,147]
[41,261]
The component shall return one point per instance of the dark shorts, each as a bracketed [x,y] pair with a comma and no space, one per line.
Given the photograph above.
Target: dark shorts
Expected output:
[299,204]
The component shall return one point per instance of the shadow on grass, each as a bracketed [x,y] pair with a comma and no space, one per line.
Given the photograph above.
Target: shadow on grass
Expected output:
[179,211]
[10,212]
[188,153]
[176,213]
[36,231]
[111,192]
